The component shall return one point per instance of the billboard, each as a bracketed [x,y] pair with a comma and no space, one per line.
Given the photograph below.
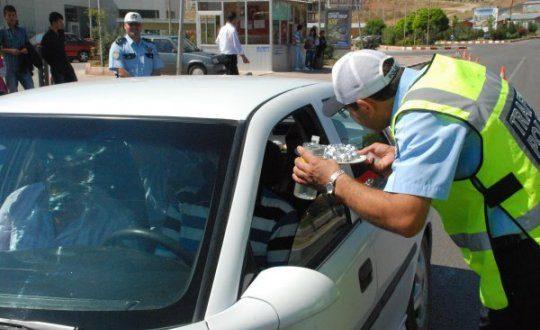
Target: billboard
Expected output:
[338,28]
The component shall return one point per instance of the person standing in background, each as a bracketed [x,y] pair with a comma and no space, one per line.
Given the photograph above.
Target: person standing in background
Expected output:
[230,46]
[53,51]
[319,52]
[297,44]
[132,55]
[13,40]
[312,41]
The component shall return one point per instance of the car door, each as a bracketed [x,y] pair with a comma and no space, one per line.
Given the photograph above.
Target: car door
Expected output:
[390,263]
[327,239]
[167,52]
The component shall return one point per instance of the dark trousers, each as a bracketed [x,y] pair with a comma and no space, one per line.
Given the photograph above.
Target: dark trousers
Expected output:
[64,75]
[231,65]
[518,261]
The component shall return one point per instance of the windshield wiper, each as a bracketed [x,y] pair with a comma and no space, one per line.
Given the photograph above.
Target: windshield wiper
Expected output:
[31,325]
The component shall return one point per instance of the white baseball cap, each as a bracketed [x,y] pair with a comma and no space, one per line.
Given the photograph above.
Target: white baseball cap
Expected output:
[358,75]
[133,17]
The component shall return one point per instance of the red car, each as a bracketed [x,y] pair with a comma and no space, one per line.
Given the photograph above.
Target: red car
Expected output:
[76,48]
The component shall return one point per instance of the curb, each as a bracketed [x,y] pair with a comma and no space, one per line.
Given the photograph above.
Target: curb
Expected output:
[420,48]
[97,70]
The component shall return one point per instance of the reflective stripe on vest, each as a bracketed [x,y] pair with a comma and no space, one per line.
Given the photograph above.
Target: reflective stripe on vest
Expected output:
[474,242]
[478,110]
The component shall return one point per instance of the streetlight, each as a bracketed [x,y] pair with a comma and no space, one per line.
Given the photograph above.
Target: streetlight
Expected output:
[180,45]
[99,32]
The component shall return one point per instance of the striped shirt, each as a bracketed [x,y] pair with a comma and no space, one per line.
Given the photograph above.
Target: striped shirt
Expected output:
[272,231]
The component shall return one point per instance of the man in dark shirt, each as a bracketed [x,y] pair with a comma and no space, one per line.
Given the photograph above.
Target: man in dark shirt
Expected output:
[13,40]
[52,50]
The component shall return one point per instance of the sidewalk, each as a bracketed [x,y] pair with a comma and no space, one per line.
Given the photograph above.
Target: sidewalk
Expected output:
[324,74]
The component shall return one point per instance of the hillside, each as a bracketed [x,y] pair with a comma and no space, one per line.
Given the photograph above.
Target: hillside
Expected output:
[392,10]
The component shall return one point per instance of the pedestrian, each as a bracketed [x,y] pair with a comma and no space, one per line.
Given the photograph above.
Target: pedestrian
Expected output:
[297,46]
[14,40]
[53,51]
[319,53]
[230,46]
[3,86]
[132,55]
[312,41]
[468,144]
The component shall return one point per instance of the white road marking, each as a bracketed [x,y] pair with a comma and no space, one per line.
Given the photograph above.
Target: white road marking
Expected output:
[516,69]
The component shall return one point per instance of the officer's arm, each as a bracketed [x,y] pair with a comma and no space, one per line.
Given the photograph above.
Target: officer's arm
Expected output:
[116,61]
[123,73]
[399,213]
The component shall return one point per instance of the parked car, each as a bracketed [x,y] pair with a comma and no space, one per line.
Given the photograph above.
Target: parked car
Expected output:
[76,48]
[194,61]
[139,212]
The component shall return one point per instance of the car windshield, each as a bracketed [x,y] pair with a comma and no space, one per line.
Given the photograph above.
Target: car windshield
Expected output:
[104,215]
[188,45]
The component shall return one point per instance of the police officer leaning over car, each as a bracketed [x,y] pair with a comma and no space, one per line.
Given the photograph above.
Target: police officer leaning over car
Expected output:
[468,144]
[131,55]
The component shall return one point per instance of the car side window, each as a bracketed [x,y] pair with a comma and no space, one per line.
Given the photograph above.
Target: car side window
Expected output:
[287,230]
[163,46]
[351,132]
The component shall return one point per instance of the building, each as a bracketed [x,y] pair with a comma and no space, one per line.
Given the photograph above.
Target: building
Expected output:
[483,16]
[265,29]
[159,15]
[530,13]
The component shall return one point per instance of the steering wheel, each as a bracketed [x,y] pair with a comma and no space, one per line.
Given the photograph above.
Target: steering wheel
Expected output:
[153,236]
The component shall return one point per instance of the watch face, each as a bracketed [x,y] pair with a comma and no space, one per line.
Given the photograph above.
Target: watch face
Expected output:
[329,188]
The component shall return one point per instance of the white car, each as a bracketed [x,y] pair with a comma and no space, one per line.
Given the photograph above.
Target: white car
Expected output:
[151,203]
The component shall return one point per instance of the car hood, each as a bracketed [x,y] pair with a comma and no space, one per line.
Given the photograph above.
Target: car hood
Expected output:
[200,55]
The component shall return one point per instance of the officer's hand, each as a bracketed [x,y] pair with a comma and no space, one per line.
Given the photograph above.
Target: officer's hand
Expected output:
[380,157]
[312,170]
[24,51]
[245,59]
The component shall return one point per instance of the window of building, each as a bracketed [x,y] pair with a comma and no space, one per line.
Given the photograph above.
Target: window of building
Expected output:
[209,6]
[258,23]
[151,14]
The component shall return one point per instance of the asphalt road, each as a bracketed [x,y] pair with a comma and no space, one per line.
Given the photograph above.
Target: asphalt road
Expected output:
[454,287]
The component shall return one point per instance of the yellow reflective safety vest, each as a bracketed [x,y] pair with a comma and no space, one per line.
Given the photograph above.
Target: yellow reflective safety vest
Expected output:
[508,172]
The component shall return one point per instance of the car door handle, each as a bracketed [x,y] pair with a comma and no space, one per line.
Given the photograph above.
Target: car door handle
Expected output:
[365,274]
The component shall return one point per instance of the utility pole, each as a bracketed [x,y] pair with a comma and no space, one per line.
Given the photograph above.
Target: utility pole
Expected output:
[99,32]
[90,17]
[319,15]
[405,21]
[428,20]
[180,46]
[510,13]
[170,16]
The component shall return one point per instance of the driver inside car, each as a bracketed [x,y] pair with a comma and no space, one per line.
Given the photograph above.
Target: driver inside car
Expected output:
[65,207]
[275,221]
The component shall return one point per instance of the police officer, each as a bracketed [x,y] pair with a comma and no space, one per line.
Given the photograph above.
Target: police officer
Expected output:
[468,144]
[131,55]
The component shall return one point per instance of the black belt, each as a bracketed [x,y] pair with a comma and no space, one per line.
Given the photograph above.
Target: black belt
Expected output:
[499,191]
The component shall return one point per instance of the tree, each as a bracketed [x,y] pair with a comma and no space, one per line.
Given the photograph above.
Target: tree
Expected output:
[533,28]
[375,27]
[438,22]
[389,35]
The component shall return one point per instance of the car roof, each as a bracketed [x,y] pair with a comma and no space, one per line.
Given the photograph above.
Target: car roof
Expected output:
[216,97]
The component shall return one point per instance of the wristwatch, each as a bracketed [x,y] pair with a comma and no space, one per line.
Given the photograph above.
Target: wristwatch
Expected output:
[331,185]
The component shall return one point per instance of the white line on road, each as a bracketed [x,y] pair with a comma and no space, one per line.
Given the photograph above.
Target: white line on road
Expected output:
[516,69]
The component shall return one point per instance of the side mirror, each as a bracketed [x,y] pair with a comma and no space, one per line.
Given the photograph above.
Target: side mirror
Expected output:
[279,296]
[174,50]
